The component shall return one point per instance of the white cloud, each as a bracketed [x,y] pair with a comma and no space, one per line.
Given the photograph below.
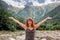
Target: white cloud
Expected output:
[15,4]
[23,2]
[35,3]
[48,1]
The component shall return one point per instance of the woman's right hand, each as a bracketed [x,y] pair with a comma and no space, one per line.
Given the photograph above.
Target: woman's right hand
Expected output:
[10,17]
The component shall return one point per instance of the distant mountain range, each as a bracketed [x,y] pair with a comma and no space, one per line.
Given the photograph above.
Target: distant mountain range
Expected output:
[36,12]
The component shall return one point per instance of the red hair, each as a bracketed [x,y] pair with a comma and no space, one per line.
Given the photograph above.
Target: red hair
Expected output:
[32,25]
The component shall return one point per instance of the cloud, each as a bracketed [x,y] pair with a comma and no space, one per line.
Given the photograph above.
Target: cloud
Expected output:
[15,4]
[35,3]
[24,2]
[50,1]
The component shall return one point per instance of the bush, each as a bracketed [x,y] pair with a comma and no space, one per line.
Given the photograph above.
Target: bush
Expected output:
[6,23]
[54,26]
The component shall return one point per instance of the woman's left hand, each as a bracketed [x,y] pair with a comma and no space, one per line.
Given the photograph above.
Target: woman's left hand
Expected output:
[49,17]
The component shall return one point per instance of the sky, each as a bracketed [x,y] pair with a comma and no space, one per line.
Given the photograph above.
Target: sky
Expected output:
[41,1]
[22,3]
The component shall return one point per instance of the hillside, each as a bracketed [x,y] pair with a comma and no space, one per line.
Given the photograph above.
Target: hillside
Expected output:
[55,13]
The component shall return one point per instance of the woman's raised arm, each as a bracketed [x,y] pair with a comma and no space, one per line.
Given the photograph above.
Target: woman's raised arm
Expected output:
[38,24]
[21,24]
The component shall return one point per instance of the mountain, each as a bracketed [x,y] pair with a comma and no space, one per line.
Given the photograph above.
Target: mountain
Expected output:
[47,8]
[55,14]
[3,4]
[36,12]
[52,6]
[16,5]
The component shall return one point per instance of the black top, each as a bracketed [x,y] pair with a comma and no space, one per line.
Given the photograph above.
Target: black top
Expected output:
[29,34]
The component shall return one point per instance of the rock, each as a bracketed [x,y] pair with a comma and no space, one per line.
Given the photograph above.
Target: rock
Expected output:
[6,37]
[39,35]
[47,38]
[43,39]
[20,37]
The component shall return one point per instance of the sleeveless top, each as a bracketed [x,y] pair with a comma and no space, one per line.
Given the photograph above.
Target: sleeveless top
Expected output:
[29,34]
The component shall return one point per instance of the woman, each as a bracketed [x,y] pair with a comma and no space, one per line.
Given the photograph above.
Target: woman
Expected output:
[30,27]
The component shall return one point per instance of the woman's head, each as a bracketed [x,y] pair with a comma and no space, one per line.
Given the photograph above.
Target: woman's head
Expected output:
[29,22]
